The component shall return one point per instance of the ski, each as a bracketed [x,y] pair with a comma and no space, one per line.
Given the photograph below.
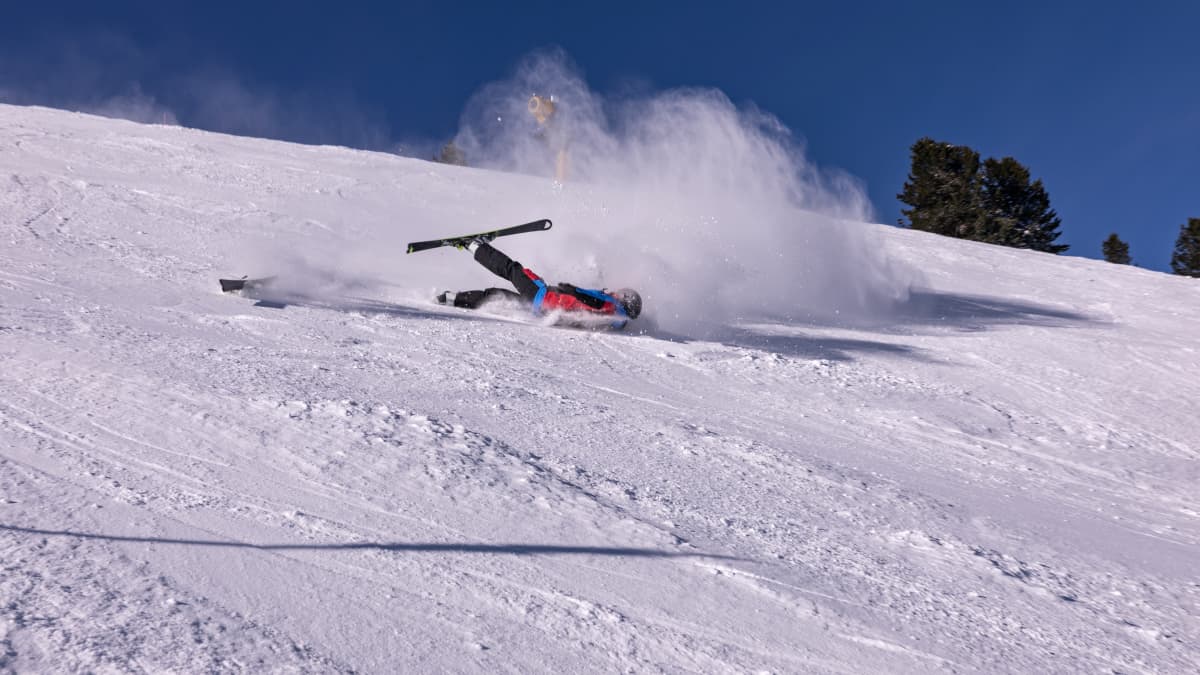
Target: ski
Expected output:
[460,240]
[243,284]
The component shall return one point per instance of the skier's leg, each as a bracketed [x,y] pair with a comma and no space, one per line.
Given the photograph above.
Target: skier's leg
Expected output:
[465,299]
[476,299]
[506,268]
[502,294]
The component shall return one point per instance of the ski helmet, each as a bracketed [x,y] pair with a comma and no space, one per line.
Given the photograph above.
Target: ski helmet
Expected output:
[629,300]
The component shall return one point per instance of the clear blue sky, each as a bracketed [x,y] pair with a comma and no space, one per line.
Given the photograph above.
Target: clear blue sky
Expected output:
[1100,100]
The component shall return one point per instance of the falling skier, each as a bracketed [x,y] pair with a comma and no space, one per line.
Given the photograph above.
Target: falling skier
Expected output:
[570,305]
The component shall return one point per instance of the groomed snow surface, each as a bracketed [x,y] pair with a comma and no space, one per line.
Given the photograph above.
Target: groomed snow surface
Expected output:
[1000,476]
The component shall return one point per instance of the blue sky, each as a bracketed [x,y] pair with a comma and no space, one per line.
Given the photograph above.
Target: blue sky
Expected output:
[1100,100]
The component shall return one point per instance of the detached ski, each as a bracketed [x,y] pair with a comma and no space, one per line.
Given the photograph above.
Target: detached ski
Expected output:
[244,284]
[461,240]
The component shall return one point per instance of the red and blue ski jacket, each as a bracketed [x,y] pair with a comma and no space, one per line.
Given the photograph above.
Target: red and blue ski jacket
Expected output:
[572,299]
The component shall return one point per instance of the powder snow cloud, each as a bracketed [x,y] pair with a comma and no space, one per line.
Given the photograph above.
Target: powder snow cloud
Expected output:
[710,208]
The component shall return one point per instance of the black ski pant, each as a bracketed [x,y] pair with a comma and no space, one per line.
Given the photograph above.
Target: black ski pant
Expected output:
[505,268]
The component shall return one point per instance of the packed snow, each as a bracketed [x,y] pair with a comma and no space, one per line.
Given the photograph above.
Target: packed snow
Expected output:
[991,466]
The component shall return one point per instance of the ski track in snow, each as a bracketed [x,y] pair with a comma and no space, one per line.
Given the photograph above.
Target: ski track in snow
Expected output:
[343,479]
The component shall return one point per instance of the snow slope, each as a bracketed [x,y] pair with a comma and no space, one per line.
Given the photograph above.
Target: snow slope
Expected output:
[1000,476]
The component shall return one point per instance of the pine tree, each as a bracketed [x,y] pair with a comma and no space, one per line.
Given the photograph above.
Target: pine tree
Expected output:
[1115,250]
[951,193]
[1186,259]
[942,189]
[1016,212]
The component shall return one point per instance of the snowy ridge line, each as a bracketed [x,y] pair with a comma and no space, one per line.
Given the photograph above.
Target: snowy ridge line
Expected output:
[406,547]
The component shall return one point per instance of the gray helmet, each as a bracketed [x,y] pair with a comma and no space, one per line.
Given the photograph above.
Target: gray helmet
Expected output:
[629,300]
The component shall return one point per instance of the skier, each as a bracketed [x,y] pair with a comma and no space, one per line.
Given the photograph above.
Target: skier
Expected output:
[577,306]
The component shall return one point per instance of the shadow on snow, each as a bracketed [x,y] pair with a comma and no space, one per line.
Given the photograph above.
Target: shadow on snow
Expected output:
[971,313]
[401,547]
[924,310]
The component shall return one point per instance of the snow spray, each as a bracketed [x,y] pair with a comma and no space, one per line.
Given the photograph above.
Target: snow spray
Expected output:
[711,210]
